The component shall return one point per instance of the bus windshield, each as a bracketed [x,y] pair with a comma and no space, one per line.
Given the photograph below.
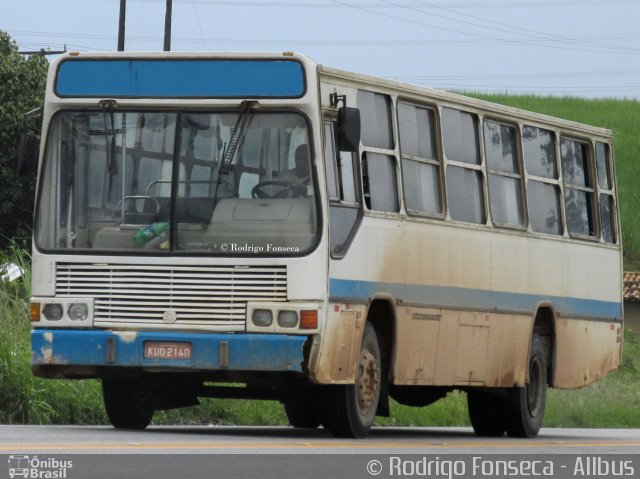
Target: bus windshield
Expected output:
[226,183]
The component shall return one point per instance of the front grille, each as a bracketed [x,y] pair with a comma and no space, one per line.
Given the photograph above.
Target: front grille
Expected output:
[140,295]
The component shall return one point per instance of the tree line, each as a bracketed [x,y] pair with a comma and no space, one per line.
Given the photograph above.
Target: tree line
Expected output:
[22,86]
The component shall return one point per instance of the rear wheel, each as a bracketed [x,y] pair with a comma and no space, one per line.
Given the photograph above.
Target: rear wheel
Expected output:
[349,410]
[524,409]
[486,413]
[127,403]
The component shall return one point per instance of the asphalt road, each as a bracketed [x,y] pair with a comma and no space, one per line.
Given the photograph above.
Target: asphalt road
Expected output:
[75,452]
[285,440]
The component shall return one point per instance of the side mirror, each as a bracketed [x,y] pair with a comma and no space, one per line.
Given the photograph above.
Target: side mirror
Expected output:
[27,155]
[348,129]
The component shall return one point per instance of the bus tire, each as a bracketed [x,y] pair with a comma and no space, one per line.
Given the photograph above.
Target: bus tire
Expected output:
[486,413]
[349,410]
[125,403]
[302,414]
[524,409]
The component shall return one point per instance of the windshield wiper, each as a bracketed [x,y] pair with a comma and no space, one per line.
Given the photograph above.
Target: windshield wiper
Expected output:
[107,109]
[239,131]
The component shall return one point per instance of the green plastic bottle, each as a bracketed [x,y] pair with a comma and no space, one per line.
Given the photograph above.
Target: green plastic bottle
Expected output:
[149,232]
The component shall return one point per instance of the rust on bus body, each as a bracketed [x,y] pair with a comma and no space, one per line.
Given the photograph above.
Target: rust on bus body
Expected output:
[443,347]
[585,351]
[335,361]
[461,348]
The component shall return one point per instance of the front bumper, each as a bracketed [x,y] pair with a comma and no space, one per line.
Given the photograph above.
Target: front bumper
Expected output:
[58,348]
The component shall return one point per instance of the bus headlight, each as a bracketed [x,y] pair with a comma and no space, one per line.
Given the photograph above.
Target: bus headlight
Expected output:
[52,311]
[287,319]
[262,317]
[78,312]
[66,312]
[280,317]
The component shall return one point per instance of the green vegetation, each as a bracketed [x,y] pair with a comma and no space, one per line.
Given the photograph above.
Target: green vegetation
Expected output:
[24,398]
[22,82]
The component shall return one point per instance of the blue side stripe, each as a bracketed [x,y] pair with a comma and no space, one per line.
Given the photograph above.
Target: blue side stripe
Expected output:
[447,296]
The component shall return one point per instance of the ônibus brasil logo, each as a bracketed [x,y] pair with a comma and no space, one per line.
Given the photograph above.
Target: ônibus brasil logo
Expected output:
[35,468]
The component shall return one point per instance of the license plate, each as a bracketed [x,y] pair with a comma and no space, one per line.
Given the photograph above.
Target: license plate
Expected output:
[167,350]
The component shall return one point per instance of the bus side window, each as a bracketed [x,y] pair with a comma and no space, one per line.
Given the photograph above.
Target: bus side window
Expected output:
[464,175]
[421,172]
[505,180]
[379,178]
[543,186]
[347,177]
[606,196]
[344,209]
[330,161]
[578,188]
[379,167]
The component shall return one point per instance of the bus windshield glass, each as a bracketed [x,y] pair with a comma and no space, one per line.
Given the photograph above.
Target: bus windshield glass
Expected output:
[229,183]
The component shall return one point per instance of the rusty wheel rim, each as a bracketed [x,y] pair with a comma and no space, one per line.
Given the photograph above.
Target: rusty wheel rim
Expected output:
[368,383]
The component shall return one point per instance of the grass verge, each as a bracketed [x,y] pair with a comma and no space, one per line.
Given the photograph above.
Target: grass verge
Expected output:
[25,399]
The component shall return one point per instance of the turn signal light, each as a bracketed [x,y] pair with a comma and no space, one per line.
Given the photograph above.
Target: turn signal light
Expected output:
[34,310]
[309,319]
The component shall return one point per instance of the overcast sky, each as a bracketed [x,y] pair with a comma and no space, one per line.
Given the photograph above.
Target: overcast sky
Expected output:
[578,47]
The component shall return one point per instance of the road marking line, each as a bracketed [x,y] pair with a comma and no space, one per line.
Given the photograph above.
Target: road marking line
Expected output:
[308,445]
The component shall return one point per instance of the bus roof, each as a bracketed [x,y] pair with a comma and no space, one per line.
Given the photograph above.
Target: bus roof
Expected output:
[418,92]
[358,79]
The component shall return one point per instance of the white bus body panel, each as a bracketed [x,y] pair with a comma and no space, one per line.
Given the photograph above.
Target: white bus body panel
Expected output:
[465,296]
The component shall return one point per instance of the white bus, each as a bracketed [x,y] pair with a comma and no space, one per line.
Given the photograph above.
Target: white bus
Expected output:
[318,237]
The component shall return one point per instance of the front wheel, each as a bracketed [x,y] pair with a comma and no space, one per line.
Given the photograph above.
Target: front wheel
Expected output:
[349,410]
[127,403]
[524,409]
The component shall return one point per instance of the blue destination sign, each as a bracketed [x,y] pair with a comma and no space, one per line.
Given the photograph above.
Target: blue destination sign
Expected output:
[170,78]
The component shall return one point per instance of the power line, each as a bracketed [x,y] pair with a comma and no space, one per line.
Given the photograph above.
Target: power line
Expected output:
[472,34]
[628,36]
[311,42]
[378,5]
[515,76]
[195,10]
[538,34]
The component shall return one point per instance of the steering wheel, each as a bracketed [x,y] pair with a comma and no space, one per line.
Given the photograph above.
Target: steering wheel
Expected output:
[297,189]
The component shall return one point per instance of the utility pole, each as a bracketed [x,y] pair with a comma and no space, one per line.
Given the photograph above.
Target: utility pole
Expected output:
[123,11]
[167,27]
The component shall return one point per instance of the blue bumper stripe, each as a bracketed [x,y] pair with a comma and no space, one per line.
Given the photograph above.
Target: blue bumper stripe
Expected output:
[246,352]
